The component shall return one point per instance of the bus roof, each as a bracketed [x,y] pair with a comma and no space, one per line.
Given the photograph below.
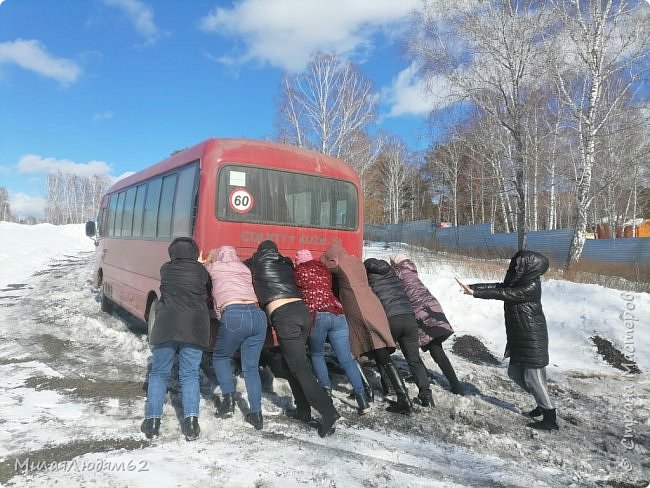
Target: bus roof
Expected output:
[247,151]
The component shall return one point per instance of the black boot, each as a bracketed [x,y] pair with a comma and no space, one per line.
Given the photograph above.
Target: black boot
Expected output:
[426,398]
[301,414]
[362,402]
[370,393]
[227,406]
[150,427]
[255,419]
[549,422]
[326,426]
[536,412]
[191,428]
[441,359]
[403,404]
[385,382]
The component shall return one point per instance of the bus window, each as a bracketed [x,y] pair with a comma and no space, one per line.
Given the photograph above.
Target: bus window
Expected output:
[150,217]
[138,210]
[118,213]
[286,198]
[184,201]
[127,215]
[111,215]
[166,206]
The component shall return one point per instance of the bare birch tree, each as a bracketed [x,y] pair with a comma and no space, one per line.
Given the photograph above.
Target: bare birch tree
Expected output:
[492,54]
[604,47]
[328,108]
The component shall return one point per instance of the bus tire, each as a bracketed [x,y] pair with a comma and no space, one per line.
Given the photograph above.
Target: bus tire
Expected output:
[106,303]
[151,318]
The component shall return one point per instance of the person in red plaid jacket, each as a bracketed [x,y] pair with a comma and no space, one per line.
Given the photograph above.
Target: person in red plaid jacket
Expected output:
[314,281]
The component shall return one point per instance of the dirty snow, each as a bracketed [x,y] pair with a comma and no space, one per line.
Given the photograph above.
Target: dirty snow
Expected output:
[71,401]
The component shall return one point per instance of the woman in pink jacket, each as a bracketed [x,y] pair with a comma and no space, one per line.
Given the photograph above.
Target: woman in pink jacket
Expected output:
[243,326]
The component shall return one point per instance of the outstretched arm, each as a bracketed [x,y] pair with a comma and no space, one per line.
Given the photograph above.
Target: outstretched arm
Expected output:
[464,288]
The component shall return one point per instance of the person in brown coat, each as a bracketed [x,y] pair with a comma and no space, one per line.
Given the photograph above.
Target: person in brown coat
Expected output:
[370,333]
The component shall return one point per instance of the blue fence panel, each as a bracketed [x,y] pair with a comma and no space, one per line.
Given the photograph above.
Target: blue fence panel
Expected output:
[552,243]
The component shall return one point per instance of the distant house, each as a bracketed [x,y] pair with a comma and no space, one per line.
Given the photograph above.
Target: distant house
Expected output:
[623,230]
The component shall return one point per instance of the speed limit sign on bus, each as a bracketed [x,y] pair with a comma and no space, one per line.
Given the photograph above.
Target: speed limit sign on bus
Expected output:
[241,201]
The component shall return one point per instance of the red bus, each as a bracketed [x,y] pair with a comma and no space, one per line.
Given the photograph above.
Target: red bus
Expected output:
[237,192]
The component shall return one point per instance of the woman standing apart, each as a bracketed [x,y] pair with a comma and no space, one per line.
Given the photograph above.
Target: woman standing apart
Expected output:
[243,326]
[370,334]
[521,292]
[182,327]
[277,292]
[315,283]
[433,326]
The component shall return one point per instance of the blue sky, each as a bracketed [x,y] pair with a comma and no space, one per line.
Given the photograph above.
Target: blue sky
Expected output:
[112,86]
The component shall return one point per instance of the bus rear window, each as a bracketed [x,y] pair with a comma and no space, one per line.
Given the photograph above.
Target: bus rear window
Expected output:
[266,196]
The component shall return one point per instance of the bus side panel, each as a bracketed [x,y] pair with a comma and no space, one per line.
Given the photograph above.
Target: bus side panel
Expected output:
[131,270]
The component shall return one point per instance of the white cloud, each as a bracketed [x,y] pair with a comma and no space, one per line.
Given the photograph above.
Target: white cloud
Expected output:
[409,95]
[141,16]
[32,55]
[286,34]
[33,163]
[23,205]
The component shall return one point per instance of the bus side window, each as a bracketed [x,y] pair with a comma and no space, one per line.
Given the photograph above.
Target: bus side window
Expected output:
[150,217]
[185,202]
[166,206]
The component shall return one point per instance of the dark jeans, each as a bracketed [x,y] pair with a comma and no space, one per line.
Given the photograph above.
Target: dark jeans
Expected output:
[404,329]
[291,323]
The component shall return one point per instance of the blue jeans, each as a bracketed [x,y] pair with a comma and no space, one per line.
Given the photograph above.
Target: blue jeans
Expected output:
[332,327]
[243,326]
[189,360]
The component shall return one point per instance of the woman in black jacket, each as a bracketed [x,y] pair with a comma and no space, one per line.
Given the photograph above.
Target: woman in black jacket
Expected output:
[182,328]
[403,325]
[279,296]
[527,346]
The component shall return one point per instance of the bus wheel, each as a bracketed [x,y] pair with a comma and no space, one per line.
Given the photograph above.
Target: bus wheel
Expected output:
[151,318]
[106,303]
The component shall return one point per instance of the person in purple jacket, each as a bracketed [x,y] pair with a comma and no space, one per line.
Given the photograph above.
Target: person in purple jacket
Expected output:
[433,326]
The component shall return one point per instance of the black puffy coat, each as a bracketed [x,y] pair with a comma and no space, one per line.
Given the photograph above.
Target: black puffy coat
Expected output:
[521,292]
[272,274]
[387,286]
[182,312]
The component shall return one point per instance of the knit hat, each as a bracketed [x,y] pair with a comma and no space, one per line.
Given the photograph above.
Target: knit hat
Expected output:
[303,255]
[398,258]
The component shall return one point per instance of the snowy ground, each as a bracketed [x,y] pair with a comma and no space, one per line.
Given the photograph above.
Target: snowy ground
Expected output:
[72,400]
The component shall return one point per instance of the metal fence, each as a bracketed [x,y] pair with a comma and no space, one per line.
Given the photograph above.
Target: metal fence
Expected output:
[481,239]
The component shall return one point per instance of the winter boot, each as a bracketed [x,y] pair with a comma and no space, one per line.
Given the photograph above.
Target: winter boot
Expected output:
[191,428]
[426,398]
[328,390]
[227,406]
[303,415]
[549,422]
[326,427]
[441,359]
[255,419]
[150,427]
[385,381]
[403,404]
[362,402]
[370,393]
[535,412]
